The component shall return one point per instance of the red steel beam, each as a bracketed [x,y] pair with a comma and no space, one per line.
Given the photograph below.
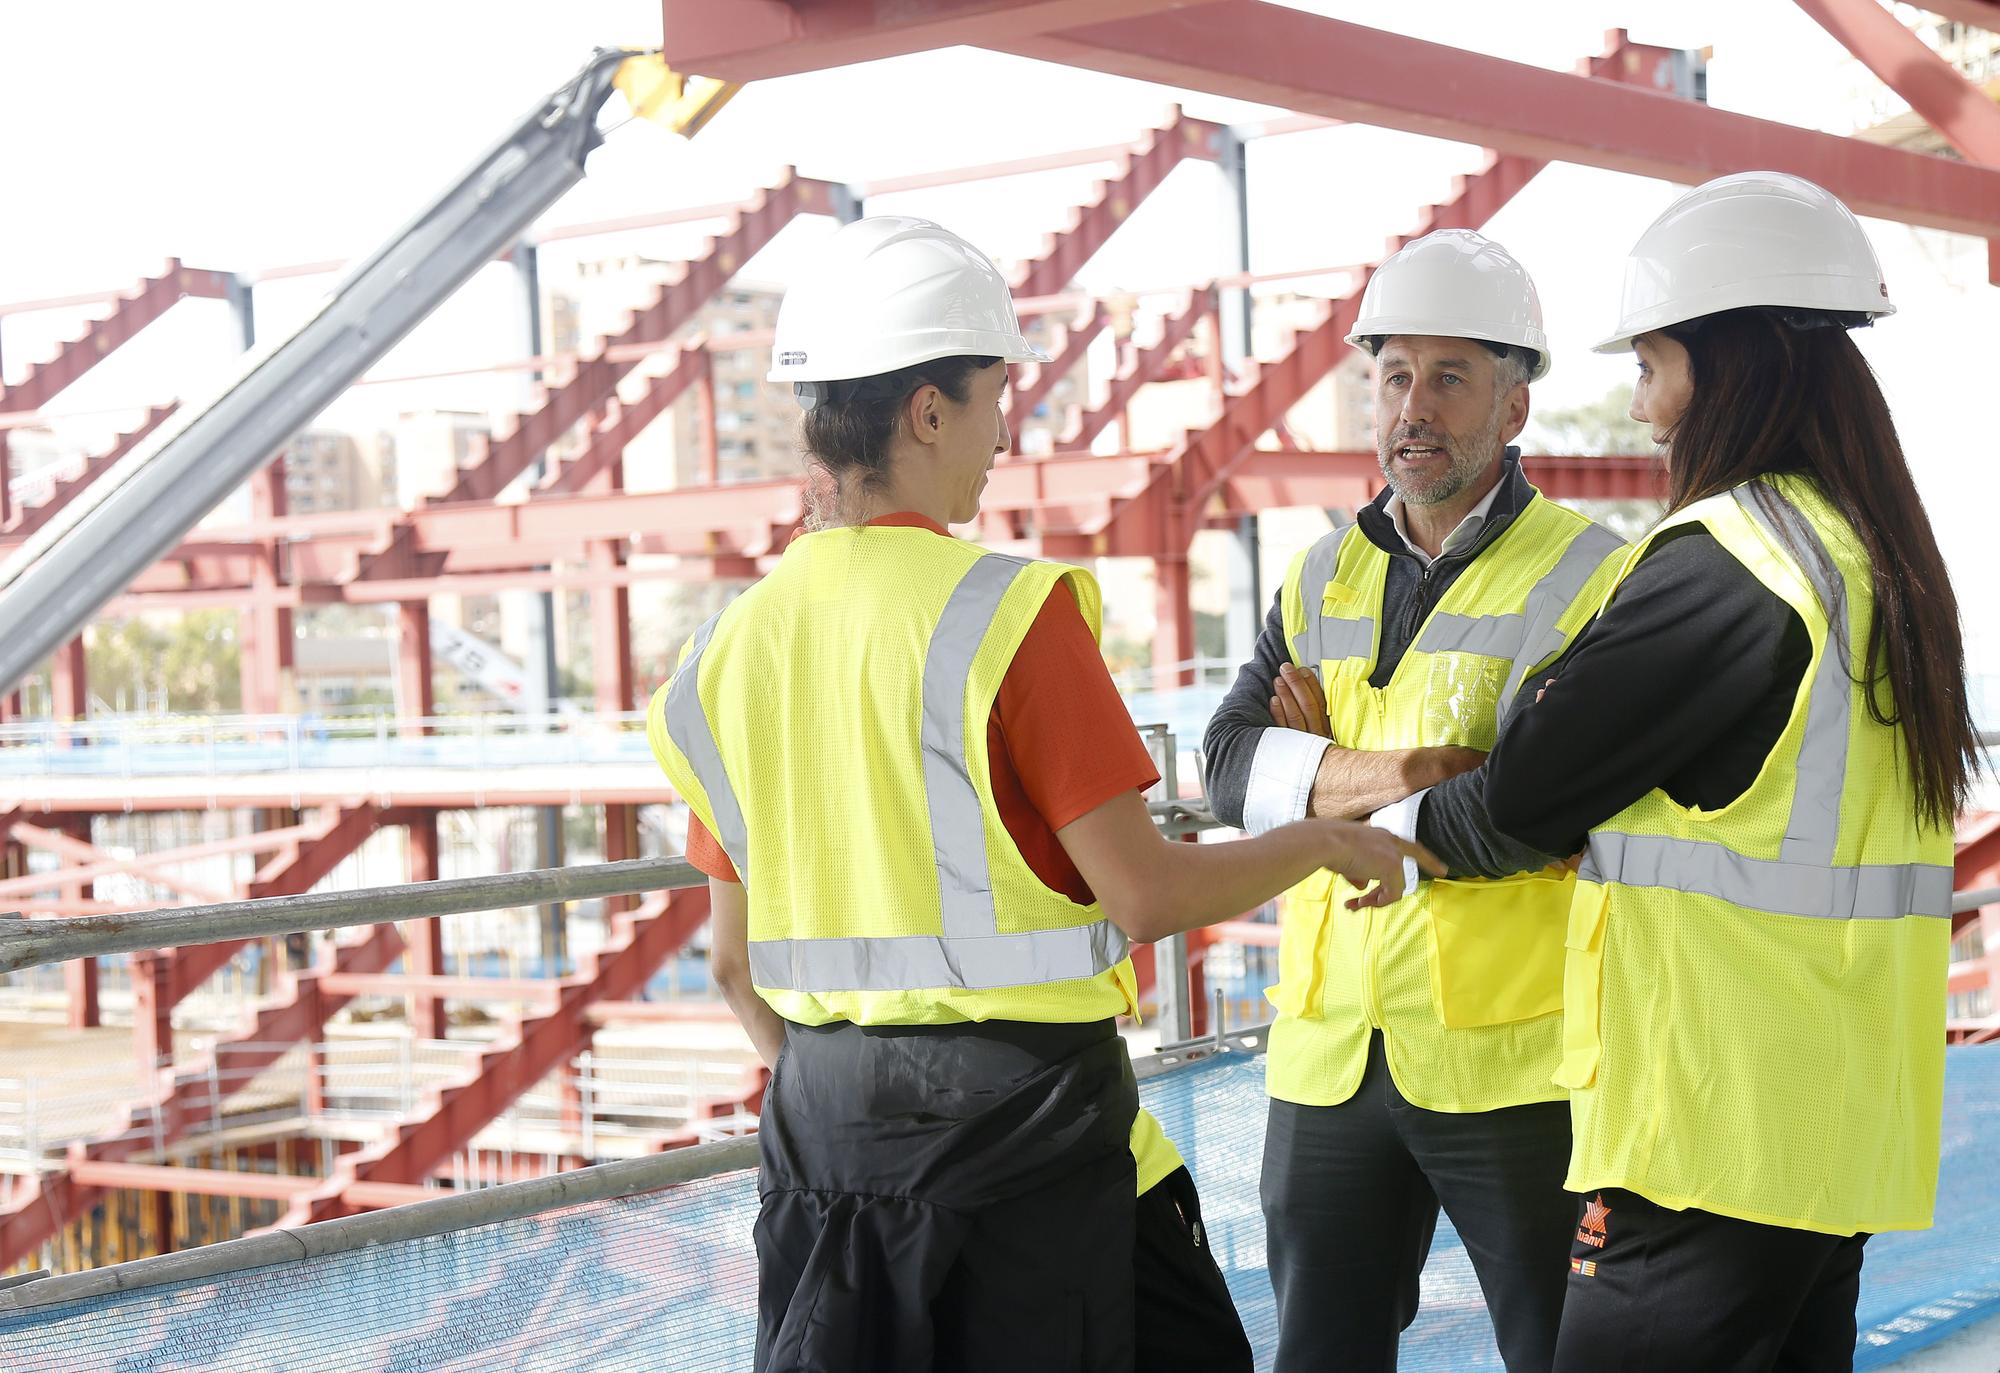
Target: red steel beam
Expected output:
[1068,353]
[752,40]
[1956,108]
[135,310]
[439,984]
[1250,50]
[689,522]
[1159,521]
[88,862]
[1981,14]
[594,378]
[1266,480]
[608,441]
[1113,200]
[221,1182]
[52,1199]
[207,1182]
[102,866]
[1144,365]
[32,517]
[318,854]
[540,1044]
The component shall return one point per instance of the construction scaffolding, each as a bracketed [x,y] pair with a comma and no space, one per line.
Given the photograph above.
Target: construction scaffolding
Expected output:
[292,1113]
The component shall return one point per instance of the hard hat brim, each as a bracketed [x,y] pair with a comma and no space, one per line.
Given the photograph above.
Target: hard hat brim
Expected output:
[1429,329]
[1753,295]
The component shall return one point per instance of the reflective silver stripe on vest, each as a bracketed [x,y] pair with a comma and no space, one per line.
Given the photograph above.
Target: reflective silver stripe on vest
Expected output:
[913,962]
[1814,828]
[1496,636]
[1530,636]
[1550,600]
[958,824]
[1881,892]
[1803,879]
[1324,638]
[688,727]
[971,954]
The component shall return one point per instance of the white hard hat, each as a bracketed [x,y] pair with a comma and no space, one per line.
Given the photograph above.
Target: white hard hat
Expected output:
[889,292]
[1752,239]
[1454,283]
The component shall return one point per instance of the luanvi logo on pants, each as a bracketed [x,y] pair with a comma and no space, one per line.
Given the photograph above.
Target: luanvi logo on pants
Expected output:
[1592,1231]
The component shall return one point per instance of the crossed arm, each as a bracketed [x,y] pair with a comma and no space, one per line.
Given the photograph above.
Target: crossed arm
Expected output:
[1354,783]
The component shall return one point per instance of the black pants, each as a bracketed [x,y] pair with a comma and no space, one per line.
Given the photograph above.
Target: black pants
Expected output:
[1658,1291]
[1187,1321]
[947,1197]
[1351,1196]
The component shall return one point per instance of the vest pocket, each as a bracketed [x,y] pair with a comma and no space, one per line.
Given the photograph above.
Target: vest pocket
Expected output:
[1302,920]
[1461,700]
[1583,987]
[1497,948]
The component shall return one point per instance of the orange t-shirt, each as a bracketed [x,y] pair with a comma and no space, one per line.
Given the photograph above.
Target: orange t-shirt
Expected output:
[1060,741]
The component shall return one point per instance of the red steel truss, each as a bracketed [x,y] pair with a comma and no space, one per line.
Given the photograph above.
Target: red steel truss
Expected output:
[1617,112]
[535,1044]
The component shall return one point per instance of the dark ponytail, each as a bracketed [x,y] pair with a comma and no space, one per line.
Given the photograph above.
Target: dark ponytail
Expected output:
[849,430]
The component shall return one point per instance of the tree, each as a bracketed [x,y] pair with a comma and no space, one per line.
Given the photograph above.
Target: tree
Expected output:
[1594,429]
[195,661]
[1599,428]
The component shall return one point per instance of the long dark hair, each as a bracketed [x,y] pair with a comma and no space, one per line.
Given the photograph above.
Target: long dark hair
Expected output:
[848,431]
[1773,396]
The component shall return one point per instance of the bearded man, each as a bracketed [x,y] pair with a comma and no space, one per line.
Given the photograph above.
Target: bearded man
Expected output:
[1411,1057]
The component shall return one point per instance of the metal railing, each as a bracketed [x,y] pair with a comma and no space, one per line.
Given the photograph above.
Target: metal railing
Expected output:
[239,745]
[26,943]
[354,1087]
[236,745]
[474,1207]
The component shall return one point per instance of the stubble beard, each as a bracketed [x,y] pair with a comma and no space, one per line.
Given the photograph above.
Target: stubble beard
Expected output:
[1468,457]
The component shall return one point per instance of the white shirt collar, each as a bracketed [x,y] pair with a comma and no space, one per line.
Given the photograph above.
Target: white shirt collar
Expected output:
[1468,528]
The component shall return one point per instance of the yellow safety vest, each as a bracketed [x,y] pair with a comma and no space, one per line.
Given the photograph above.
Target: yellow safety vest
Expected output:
[1756,994]
[1463,978]
[829,728]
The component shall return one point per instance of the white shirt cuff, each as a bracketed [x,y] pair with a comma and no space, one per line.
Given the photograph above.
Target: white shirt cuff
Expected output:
[1281,778]
[1400,819]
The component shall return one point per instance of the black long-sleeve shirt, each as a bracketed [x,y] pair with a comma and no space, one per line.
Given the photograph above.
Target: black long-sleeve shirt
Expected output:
[1683,683]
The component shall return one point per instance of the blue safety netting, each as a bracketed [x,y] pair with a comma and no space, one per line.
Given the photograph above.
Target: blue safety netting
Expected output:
[664,1281]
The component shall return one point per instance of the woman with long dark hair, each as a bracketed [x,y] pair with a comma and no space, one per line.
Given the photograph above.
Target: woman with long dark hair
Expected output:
[1757,750]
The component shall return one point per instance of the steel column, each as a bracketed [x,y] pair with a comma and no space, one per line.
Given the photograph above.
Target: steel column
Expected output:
[81,974]
[153,1010]
[266,651]
[414,699]
[69,683]
[1173,633]
[423,940]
